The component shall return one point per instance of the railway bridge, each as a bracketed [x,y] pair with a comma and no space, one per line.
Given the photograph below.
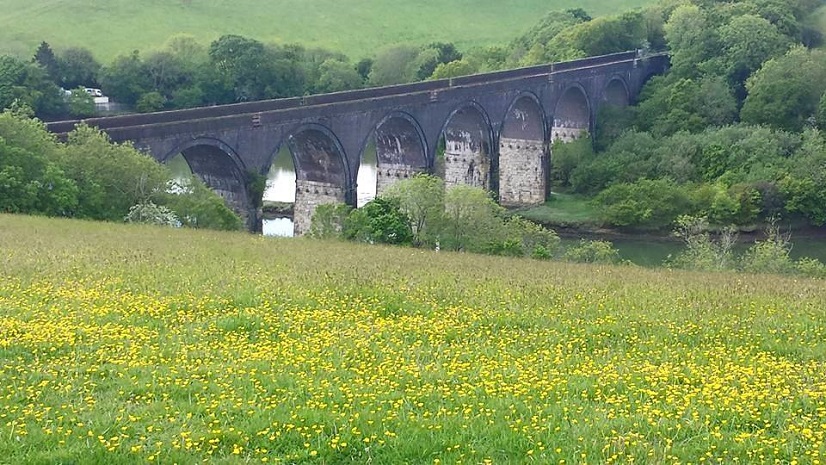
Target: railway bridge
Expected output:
[496,129]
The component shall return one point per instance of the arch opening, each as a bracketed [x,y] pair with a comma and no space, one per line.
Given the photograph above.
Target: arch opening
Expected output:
[217,169]
[321,173]
[523,155]
[394,151]
[278,200]
[468,158]
[616,94]
[572,116]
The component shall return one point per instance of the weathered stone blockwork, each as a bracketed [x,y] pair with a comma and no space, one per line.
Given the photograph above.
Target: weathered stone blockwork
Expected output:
[308,196]
[387,175]
[522,177]
[463,165]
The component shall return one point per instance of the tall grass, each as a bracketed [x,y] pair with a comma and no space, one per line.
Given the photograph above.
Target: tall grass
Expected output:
[355,27]
[131,344]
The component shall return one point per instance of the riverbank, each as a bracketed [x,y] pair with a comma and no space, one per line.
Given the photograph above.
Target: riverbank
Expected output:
[573,218]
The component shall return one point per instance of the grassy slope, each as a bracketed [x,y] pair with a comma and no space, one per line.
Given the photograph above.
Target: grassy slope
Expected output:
[356,27]
[127,344]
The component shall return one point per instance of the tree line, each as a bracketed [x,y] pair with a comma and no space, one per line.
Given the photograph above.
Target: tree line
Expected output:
[733,132]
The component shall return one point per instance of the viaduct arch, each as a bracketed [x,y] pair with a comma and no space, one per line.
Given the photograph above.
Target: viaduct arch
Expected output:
[497,130]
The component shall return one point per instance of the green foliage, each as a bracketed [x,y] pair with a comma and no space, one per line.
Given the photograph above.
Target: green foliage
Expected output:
[566,157]
[471,219]
[29,84]
[670,105]
[422,199]
[80,103]
[149,102]
[394,65]
[337,75]
[196,206]
[770,255]
[645,203]
[329,219]
[379,221]
[111,178]
[702,252]
[454,69]
[149,213]
[126,79]
[786,91]
[602,252]
[78,68]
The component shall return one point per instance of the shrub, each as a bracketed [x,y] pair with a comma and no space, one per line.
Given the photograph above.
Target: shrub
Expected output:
[593,252]
[770,255]
[646,203]
[702,252]
[149,213]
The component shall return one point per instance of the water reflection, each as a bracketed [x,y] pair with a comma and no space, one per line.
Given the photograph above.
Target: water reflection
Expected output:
[281,188]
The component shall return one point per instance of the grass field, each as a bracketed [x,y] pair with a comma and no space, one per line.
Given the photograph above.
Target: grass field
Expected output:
[355,27]
[127,344]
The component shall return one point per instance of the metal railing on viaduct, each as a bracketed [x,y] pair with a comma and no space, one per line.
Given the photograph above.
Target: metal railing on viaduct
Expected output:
[496,129]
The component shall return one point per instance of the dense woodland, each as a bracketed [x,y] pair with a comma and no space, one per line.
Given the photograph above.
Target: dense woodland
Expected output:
[732,133]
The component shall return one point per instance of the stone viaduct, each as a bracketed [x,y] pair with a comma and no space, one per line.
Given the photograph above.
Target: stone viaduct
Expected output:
[496,129]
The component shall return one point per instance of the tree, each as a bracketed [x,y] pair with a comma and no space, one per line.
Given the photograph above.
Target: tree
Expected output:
[111,178]
[381,220]
[453,69]
[29,85]
[421,198]
[433,55]
[394,65]
[253,71]
[785,92]
[126,79]
[337,76]
[748,41]
[691,39]
[471,220]
[78,68]
[45,57]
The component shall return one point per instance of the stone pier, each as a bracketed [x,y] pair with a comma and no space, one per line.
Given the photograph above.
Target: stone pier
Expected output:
[466,165]
[308,196]
[522,178]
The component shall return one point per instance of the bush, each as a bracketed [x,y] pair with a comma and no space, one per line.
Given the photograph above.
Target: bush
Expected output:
[702,252]
[646,203]
[380,220]
[770,255]
[328,221]
[811,268]
[593,252]
[198,207]
[149,213]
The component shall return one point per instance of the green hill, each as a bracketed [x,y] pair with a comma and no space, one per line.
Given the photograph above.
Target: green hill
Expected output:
[355,27]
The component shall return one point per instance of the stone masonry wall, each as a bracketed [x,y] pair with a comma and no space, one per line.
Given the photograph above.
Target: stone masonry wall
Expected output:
[308,196]
[463,165]
[522,176]
[566,132]
[389,174]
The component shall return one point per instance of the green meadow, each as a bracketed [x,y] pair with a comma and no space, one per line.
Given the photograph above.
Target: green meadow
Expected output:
[132,344]
[356,27]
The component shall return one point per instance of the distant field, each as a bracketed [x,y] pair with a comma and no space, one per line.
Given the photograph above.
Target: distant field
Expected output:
[126,344]
[356,27]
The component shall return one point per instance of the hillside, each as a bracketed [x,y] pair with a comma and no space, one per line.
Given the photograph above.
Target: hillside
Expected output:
[355,27]
[124,344]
